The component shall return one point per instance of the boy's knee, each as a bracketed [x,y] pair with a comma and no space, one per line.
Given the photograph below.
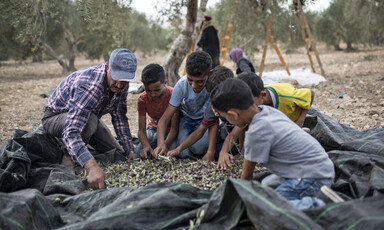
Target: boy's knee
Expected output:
[199,148]
[185,153]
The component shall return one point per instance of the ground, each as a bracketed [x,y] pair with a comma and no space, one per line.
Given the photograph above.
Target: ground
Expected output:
[358,76]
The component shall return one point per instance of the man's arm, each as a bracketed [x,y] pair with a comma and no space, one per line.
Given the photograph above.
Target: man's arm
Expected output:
[225,157]
[142,134]
[174,129]
[161,129]
[212,138]
[248,168]
[191,139]
[75,123]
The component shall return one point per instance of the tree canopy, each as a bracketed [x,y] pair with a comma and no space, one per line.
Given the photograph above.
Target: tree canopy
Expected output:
[62,29]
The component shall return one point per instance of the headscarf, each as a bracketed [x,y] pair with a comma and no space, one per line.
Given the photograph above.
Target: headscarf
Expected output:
[235,54]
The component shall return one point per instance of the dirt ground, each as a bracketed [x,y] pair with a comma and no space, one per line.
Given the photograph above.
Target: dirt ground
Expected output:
[359,76]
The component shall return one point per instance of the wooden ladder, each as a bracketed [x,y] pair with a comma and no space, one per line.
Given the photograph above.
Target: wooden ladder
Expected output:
[307,37]
[270,39]
[224,43]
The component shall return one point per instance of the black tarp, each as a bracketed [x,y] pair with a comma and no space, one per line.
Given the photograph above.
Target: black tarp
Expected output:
[39,193]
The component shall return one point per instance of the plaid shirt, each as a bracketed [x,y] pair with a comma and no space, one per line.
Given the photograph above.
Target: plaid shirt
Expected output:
[85,92]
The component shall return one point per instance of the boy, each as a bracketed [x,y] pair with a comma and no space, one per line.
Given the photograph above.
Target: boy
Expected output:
[210,121]
[191,95]
[291,101]
[153,102]
[284,148]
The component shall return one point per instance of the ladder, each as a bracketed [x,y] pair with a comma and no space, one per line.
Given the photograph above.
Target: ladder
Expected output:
[307,37]
[270,39]
[224,43]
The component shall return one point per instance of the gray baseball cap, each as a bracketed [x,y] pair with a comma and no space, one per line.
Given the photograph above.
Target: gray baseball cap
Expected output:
[123,65]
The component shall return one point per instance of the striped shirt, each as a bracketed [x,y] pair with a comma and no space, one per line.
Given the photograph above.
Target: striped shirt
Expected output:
[82,93]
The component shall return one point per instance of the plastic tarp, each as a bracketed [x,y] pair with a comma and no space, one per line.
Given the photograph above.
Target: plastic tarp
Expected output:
[36,192]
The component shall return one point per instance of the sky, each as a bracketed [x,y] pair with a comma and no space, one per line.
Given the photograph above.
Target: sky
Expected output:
[147,6]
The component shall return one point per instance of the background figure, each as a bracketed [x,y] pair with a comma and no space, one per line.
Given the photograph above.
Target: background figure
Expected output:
[209,41]
[242,63]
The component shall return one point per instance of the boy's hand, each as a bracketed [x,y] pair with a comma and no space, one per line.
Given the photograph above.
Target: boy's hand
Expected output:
[173,153]
[131,154]
[225,160]
[209,156]
[160,150]
[144,153]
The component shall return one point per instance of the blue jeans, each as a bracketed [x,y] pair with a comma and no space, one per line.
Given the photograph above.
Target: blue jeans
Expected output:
[152,139]
[301,193]
[186,127]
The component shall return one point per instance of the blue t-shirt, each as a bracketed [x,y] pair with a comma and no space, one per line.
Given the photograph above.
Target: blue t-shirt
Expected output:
[193,104]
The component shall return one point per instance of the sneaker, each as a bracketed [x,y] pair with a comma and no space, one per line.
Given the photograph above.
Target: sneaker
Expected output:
[327,195]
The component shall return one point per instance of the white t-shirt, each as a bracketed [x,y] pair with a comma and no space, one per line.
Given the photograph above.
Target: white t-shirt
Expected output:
[193,104]
[284,148]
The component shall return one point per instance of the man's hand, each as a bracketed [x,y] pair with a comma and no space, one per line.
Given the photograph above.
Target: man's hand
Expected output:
[96,175]
[160,150]
[173,153]
[144,153]
[225,160]
[209,156]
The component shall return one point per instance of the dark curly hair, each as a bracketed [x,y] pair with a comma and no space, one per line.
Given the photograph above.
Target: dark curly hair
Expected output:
[198,63]
[153,73]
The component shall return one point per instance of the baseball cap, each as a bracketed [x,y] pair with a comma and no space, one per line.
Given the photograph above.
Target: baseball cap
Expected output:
[123,65]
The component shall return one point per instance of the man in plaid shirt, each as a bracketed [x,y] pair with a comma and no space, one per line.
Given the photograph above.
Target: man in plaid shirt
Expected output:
[74,110]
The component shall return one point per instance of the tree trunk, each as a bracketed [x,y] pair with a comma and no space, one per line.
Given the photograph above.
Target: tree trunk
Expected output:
[337,47]
[37,57]
[72,47]
[185,40]
[37,53]
[50,52]
[349,47]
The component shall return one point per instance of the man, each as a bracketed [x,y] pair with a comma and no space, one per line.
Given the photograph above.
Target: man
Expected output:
[74,110]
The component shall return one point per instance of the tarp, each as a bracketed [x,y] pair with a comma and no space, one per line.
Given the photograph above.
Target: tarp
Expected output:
[36,192]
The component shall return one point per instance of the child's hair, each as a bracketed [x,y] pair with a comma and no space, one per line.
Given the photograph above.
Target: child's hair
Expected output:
[253,81]
[232,93]
[198,63]
[218,75]
[152,73]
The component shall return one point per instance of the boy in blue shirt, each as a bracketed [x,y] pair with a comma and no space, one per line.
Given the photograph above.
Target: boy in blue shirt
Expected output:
[189,93]
[210,121]
[282,146]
